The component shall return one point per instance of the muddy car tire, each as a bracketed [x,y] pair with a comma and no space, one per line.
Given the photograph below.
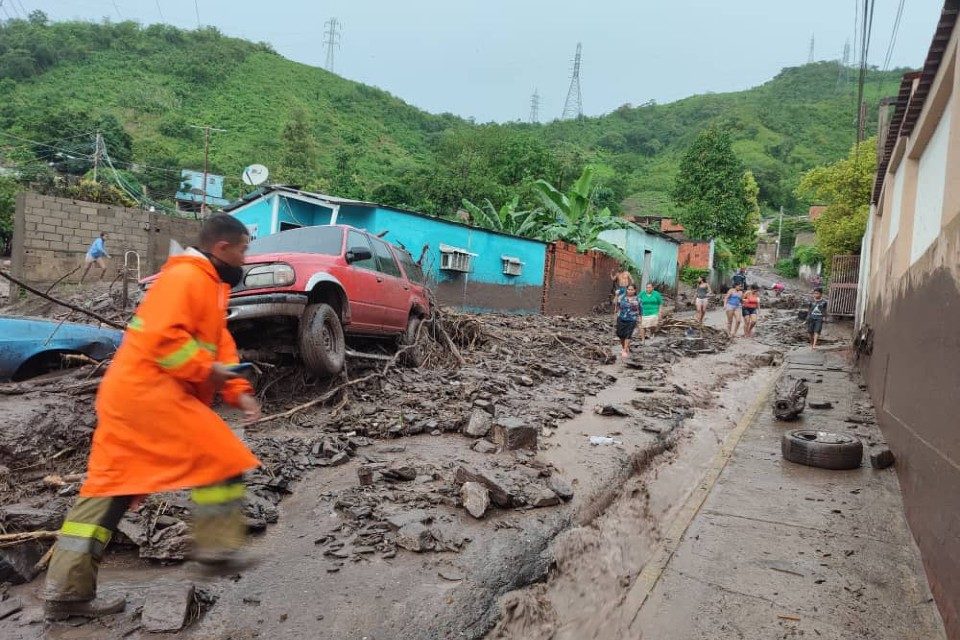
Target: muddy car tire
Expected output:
[322,346]
[821,449]
[414,356]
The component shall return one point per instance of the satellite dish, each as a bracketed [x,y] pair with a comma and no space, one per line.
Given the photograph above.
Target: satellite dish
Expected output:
[255,174]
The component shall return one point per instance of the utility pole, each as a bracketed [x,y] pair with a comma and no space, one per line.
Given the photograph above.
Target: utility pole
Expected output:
[779,234]
[97,145]
[535,107]
[862,121]
[573,105]
[206,161]
[810,56]
[332,40]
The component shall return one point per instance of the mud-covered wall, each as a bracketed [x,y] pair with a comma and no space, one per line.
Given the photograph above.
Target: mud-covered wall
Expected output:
[576,283]
[51,236]
[913,375]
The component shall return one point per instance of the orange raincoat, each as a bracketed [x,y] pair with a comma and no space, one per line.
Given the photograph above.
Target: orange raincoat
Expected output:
[155,428]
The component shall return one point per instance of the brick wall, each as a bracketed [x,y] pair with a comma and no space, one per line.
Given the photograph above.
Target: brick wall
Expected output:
[51,236]
[575,283]
[669,226]
[694,254]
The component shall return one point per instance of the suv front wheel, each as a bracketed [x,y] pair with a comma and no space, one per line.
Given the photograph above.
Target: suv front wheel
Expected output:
[414,356]
[322,346]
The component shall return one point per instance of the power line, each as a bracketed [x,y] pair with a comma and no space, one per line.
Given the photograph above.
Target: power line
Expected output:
[117,9]
[893,36]
[332,41]
[196,7]
[573,105]
[866,32]
[160,11]
[23,8]
[5,11]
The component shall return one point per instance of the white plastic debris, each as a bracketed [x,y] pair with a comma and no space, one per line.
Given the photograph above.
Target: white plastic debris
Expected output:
[598,440]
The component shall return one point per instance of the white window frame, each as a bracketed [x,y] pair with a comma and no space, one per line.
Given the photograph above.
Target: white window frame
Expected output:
[512,266]
[456,259]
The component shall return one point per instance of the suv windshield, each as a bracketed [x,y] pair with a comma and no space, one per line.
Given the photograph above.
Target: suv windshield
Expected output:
[323,240]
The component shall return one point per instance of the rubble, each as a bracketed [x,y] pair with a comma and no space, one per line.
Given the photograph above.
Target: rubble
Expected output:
[560,487]
[479,424]
[18,563]
[169,608]
[882,459]
[9,607]
[476,498]
[510,434]
[484,446]
[415,536]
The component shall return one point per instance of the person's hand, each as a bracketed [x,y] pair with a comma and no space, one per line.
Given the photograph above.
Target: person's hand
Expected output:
[250,407]
[219,374]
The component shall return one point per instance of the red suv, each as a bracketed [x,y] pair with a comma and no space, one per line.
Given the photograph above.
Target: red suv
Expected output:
[303,289]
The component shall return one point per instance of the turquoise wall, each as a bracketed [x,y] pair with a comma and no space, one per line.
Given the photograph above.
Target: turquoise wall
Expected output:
[258,217]
[663,268]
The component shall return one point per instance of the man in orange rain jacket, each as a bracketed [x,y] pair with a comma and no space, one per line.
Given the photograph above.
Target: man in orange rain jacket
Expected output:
[155,428]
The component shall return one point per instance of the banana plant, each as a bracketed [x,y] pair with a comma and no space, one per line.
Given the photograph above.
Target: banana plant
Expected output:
[507,218]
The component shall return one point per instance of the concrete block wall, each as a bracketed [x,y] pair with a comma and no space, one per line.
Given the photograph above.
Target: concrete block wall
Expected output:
[576,283]
[51,236]
[694,254]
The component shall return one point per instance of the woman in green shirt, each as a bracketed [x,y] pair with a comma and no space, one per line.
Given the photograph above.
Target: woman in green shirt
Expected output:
[650,303]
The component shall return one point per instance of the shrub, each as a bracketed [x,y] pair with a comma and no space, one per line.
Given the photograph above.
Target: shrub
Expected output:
[689,275]
[787,268]
[807,255]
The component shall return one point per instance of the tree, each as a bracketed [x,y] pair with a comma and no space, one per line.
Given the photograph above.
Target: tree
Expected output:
[744,246]
[8,194]
[844,187]
[507,219]
[711,190]
[578,220]
[298,157]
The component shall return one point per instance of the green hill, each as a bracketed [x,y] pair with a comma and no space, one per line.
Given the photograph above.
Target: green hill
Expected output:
[143,87]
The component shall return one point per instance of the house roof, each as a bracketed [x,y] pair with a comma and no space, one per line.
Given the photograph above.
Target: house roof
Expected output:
[910,101]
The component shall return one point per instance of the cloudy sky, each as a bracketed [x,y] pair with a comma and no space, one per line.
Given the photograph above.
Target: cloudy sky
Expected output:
[484,58]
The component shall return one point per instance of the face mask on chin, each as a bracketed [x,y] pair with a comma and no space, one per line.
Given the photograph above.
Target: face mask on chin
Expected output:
[228,274]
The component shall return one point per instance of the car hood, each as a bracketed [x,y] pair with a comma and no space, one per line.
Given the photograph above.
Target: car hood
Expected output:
[22,338]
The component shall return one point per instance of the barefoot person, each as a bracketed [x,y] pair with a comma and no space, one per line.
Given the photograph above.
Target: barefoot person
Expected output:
[703,298]
[750,309]
[155,429]
[815,316]
[732,303]
[96,255]
[628,311]
[650,303]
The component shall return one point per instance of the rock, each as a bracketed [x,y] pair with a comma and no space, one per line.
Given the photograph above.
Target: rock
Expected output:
[400,519]
[502,491]
[340,458]
[882,459]
[560,487]
[172,543]
[575,408]
[365,475]
[20,517]
[479,424]
[486,405]
[9,607]
[17,562]
[612,410]
[399,472]
[542,497]
[858,419]
[167,609]
[819,404]
[484,446]
[476,498]
[451,573]
[511,434]
[415,537]
[526,381]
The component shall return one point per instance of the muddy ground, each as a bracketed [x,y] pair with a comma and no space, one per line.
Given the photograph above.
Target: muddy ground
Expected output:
[360,506]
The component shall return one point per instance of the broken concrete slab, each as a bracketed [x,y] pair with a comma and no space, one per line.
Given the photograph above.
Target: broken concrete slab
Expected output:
[415,536]
[168,609]
[882,459]
[476,498]
[479,424]
[511,434]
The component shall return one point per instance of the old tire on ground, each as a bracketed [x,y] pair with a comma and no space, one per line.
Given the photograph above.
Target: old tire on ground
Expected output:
[320,337]
[413,357]
[821,449]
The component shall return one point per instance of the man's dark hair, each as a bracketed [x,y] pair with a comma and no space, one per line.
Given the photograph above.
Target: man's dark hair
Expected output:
[102,234]
[221,227]
[818,290]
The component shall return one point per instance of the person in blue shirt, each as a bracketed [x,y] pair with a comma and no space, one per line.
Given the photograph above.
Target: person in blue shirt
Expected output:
[96,255]
[628,312]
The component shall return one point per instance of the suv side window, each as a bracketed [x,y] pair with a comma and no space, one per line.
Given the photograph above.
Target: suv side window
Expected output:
[387,264]
[355,239]
[414,272]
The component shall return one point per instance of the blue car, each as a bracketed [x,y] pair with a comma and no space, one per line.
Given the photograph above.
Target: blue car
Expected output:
[34,346]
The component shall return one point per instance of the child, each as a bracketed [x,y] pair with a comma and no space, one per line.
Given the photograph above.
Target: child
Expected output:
[818,310]
[628,310]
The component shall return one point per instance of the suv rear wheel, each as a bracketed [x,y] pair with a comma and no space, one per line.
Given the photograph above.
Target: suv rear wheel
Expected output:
[320,336]
[413,357]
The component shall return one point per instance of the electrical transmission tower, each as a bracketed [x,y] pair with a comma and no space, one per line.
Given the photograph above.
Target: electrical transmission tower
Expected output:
[573,105]
[810,56]
[535,107]
[332,40]
[843,73]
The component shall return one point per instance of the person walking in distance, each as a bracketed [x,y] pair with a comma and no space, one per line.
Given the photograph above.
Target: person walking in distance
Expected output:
[740,278]
[628,312]
[732,303]
[650,303]
[702,299]
[96,255]
[155,429]
[815,316]
[750,309]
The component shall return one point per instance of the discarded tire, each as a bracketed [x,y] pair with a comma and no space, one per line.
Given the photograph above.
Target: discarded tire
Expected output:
[821,449]
[322,346]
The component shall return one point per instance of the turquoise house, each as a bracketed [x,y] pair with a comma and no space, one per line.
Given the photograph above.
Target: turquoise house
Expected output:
[655,252]
[470,268]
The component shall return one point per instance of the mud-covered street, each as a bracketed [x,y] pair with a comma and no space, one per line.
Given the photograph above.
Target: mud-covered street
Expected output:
[528,493]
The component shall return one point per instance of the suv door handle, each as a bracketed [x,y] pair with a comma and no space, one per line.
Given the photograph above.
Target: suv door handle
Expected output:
[406,288]
[379,279]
